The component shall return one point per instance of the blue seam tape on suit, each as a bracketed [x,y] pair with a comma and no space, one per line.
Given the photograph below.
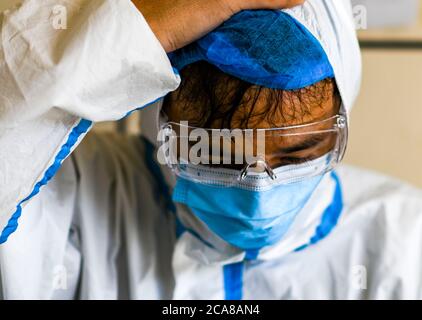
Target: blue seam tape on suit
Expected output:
[82,127]
[233,281]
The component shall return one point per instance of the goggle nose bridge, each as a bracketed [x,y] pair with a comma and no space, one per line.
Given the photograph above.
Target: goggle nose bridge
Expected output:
[260,162]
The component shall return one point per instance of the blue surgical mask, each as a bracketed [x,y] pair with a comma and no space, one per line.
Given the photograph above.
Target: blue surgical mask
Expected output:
[249,215]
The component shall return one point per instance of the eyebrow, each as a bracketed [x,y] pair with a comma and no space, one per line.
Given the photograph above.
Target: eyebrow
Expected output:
[309,143]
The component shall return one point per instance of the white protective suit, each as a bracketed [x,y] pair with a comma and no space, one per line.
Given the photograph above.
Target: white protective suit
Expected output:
[103,224]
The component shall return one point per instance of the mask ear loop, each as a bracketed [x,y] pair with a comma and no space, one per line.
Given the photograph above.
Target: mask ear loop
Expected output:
[268,170]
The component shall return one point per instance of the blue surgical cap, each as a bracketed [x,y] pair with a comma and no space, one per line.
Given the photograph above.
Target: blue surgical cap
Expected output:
[263,47]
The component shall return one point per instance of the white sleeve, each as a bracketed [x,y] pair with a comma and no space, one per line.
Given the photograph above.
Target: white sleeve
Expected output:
[63,65]
[105,62]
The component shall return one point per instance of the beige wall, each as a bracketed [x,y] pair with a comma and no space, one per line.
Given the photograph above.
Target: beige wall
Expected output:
[386,133]
[5,4]
[386,128]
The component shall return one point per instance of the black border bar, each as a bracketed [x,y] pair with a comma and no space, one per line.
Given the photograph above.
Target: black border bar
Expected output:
[390,45]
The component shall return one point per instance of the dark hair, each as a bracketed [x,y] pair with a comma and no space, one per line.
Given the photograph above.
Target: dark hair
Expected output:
[209,98]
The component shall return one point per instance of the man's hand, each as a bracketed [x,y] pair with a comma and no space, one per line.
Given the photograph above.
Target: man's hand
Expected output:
[177,23]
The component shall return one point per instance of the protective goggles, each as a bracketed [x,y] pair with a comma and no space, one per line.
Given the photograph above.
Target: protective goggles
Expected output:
[286,154]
